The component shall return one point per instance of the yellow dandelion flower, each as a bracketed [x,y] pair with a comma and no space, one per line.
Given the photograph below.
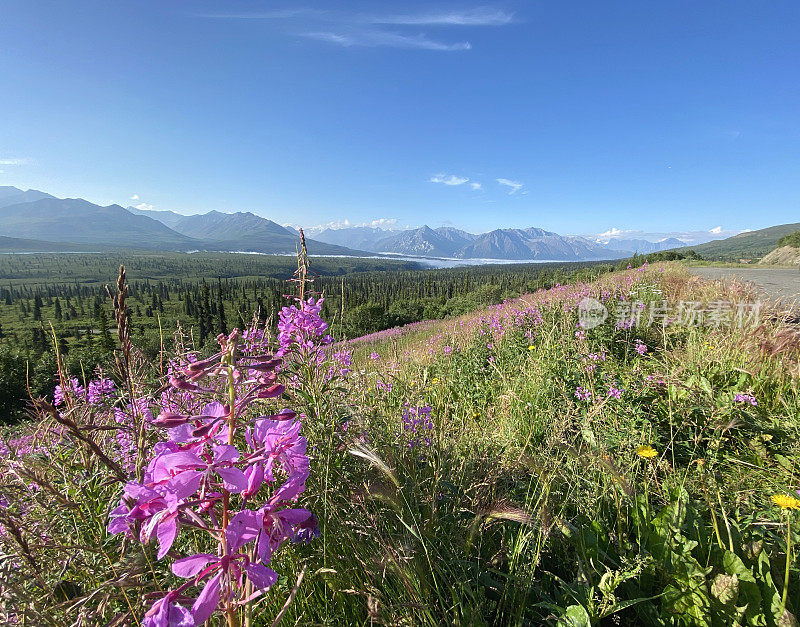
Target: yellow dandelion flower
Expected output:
[531,347]
[646,451]
[476,415]
[413,383]
[785,502]
[435,381]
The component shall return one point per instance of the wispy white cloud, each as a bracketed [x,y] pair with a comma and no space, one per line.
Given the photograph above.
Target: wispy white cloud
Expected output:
[16,161]
[383,223]
[386,224]
[469,17]
[366,30]
[387,39]
[475,185]
[135,197]
[144,206]
[514,186]
[611,233]
[690,237]
[448,179]
[474,17]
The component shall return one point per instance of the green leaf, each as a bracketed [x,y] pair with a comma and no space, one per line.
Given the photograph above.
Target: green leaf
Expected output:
[575,616]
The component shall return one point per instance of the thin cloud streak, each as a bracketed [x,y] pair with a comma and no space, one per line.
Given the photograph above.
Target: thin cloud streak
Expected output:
[9,161]
[365,31]
[448,179]
[690,237]
[476,17]
[377,38]
[473,17]
[514,185]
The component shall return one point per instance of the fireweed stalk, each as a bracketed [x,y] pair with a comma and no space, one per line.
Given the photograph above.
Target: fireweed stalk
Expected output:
[214,474]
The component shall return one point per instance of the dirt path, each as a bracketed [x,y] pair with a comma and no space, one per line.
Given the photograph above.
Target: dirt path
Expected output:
[780,284]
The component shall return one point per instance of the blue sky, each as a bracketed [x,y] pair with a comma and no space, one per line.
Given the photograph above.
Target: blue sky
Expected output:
[578,117]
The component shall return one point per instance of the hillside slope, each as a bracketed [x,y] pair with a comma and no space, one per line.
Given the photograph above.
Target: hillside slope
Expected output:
[782,256]
[82,222]
[749,245]
[21,245]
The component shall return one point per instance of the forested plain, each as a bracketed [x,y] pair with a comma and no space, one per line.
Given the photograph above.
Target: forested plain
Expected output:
[57,303]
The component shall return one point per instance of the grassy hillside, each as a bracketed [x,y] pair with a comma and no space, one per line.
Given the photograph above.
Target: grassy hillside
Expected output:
[502,468]
[751,245]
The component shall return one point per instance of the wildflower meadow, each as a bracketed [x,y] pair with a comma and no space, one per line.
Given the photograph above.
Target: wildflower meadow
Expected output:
[509,466]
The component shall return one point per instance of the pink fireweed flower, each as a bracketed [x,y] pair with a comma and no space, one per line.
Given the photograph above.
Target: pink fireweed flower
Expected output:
[641,347]
[302,327]
[197,471]
[157,508]
[229,567]
[745,398]
[167,613]
[190,463]
[278,442]
[98,389]
[76,389]
[614,393]
[583,394]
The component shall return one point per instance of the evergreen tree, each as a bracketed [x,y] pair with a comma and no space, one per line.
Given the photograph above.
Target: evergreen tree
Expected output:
[221,322]
[37,308]
[106,343]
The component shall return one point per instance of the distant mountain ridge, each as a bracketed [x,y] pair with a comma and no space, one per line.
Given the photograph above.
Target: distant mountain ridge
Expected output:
[643,246]
[507,244]
[243,231]
[423,242]
[15,196]
[78,221]
[42,219]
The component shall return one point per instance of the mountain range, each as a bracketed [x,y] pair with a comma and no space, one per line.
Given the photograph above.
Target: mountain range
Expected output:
[508,244]
[33,221]
[43,222]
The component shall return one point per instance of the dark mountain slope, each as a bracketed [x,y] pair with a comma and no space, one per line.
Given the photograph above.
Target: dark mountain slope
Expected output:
[78,221]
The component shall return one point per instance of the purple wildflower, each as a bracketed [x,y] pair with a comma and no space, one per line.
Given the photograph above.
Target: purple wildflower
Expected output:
[745,398]
[302,327]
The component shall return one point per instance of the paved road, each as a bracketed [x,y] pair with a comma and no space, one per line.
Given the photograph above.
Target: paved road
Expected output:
[781,284]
